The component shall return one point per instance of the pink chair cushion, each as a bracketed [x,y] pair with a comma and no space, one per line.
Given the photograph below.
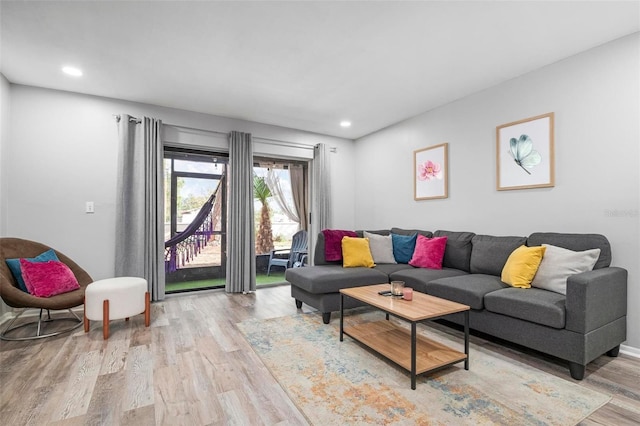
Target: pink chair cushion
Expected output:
[429,252]
[46,279]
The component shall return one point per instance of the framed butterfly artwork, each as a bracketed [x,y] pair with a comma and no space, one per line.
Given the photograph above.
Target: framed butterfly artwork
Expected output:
[524,154]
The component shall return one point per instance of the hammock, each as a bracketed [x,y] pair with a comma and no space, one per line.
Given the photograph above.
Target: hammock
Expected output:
[186,245]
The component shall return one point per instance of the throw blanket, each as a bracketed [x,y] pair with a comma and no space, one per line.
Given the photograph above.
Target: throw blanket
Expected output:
[333,243]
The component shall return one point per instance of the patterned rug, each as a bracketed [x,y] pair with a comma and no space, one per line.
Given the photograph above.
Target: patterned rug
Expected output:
[344,383]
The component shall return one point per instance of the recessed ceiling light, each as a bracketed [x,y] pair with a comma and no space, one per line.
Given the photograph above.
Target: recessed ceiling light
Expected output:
[345,123]
[73,71]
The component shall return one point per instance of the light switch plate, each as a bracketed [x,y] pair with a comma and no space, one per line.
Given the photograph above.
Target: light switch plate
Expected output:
[89,207]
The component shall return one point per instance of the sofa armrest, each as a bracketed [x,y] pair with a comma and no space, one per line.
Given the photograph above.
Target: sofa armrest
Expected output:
[595,298]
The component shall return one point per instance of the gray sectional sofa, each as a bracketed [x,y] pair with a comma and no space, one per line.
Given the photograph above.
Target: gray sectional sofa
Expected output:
[578,327]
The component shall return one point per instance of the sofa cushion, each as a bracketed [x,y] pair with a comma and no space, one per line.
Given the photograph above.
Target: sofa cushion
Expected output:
[469,289]
[356,253]
[382,232]
[535,305]
[333,242]
[390,268]
[331,278]
[457,254]
[318,254]
[401,231]
[403,247]
[381,247]
[522,266]
[428,252]
[489,253]
[558,264]
[575,242]
[417,278]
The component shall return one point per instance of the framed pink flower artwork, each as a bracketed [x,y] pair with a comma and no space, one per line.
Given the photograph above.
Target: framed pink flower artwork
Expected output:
[430,170]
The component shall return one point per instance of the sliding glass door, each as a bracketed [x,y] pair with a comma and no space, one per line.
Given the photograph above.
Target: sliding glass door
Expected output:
[195,216]
[195,219]
[280,206]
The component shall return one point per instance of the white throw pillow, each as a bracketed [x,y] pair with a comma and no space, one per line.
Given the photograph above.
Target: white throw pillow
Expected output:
[559,263]
[381,247]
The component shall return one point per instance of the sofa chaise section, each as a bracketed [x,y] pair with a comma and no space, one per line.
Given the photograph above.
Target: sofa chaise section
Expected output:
[320,286]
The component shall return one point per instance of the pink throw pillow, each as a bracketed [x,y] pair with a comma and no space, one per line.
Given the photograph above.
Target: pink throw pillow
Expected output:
[333,243]
[429,252]
[46,279]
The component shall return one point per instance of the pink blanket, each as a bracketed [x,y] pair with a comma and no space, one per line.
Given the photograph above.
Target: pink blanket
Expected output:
[333,243]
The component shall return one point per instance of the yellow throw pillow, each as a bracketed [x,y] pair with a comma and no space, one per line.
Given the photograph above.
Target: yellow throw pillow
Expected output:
[356,252]
[522,266]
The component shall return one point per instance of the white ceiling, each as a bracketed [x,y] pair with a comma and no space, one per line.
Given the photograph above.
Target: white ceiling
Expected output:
[305,65]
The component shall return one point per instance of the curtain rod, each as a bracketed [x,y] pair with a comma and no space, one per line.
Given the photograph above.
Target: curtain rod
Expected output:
[196,129]
[285,143]
[258,138]
[131,119]
[269,140]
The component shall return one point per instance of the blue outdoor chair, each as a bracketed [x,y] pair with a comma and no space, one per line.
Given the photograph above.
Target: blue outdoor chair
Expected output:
[296,253]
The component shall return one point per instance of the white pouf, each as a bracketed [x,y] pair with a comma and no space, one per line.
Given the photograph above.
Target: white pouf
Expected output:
[116,298]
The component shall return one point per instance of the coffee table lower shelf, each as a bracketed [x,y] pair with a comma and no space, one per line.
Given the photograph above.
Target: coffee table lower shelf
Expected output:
[394,343]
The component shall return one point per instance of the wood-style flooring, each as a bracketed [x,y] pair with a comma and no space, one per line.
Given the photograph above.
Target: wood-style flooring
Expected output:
[193,367]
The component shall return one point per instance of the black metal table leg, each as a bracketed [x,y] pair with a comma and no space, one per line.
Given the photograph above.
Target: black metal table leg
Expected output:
[466,339]
[341,315]
[413,355]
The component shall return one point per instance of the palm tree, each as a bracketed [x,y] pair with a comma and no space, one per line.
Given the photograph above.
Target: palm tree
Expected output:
[264,239]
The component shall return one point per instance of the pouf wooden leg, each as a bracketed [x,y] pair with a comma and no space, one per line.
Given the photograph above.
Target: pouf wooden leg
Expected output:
[86,320]
[147,309]
[105,319]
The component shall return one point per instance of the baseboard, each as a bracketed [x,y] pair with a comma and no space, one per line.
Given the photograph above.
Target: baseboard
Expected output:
[630,350]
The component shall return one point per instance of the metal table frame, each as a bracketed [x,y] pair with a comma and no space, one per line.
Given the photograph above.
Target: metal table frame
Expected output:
[413,337]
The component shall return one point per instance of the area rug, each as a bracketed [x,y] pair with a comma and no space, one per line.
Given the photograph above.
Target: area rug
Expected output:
[345,383]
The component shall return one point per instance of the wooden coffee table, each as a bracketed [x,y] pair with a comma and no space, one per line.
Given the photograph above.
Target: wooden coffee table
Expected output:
[417,354]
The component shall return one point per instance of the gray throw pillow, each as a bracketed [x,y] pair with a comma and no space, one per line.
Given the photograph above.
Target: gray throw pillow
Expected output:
[558,264]
[381,247]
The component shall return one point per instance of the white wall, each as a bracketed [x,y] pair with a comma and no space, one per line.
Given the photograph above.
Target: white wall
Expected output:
[62,152]
[5,120]
[595,98]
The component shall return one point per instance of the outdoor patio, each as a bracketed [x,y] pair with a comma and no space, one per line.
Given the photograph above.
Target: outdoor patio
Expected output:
[209,256]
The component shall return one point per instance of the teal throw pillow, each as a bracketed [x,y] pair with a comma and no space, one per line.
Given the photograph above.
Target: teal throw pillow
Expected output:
[14,266]
[403,247]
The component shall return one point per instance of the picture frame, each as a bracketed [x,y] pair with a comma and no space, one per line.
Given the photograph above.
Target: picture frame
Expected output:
[525,153]
[431,172]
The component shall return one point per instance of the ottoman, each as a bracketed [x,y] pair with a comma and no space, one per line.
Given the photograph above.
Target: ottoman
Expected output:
[115,298]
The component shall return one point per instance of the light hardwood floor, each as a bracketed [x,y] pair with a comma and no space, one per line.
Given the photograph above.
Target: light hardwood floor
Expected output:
[193,367]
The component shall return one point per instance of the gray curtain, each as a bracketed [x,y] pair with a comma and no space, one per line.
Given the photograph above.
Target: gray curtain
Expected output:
[140,203]
[321,195]
[241,257]
[296,172]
